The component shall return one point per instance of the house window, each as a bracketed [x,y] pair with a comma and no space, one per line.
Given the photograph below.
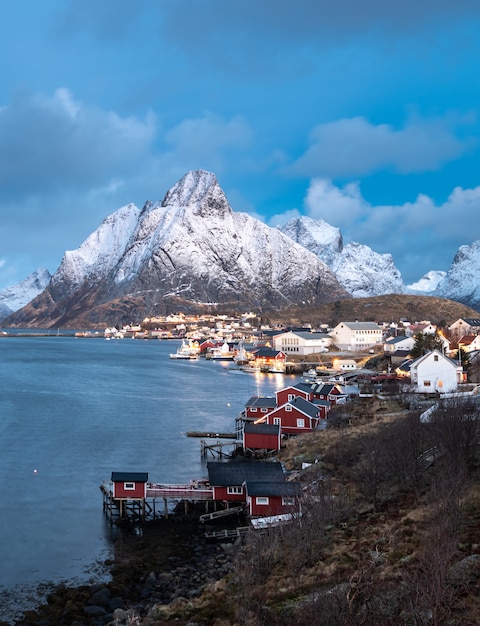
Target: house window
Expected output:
[277,421]
[435,357]
[288,407]
[234,490]
[129,486]
[253,409]
[288,501]
[290,397]
[261,500]
[264,410]
[300,423]
[426,383]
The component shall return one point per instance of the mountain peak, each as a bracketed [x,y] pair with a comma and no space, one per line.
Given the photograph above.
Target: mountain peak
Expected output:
[200,191]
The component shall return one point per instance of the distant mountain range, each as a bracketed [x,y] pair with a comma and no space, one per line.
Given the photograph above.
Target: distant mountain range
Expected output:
[192,250]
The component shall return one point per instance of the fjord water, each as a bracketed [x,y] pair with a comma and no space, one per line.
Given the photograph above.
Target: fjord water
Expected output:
[74,410]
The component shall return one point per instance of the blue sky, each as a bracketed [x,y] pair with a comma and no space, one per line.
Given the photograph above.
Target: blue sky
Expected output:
[365,114]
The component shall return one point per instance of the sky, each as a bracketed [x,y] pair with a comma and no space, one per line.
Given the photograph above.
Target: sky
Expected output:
[363,114]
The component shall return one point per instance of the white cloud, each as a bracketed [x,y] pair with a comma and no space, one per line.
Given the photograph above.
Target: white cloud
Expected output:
[355,147]
[421,235]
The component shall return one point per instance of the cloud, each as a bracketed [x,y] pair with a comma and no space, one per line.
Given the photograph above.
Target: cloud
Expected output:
[421,234]
[47,143]
[355,147]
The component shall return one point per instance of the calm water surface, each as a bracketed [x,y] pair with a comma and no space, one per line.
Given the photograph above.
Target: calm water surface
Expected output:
[74,410]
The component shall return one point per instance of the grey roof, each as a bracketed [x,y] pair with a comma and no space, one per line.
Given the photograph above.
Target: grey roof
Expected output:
[129,477]
[362,325]
[311,336]
[236,473]
[306,407]
[324,389]
[262,429]
[305,387]
[261,402]
[284,489]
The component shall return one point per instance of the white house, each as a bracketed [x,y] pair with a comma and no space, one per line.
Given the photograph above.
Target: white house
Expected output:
[302,342]
[469,343]
[435,373]
[465,326]
[356,336]
[400,343]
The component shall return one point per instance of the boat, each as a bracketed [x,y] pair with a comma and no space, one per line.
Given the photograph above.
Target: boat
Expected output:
[187,351]
[221,353]
[249,367]
[277,368]
[242,357]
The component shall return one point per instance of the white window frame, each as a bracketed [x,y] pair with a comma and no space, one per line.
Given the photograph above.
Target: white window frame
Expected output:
[234,491]
[262,500]
[129,486]
[300,422]
[277,421]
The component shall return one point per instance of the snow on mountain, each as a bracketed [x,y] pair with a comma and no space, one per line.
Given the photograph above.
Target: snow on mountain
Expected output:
[428,283]
[191,246]
[360,270]
[17,296]
[462,280]
[317,236]
[98,254]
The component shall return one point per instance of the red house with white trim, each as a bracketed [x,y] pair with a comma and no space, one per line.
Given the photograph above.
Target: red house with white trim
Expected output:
[261,436]
[228,479]
[129,485]
[273,498]
[295,416]
[258,406]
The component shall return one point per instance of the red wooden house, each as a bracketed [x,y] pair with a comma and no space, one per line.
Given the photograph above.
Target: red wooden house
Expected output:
[326,391]
[302,390]
[258,406]
[129,485]
[272,498]
[228,479]
[265,357]
[261,436]
[295,416]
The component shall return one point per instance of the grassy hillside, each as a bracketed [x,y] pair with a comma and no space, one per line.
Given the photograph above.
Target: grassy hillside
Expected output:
[387,308]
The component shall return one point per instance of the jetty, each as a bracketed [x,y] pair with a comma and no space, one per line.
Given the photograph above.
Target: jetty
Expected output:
[129,496]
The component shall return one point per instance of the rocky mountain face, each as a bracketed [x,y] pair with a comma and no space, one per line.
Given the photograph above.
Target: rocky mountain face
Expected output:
[462,282]
[191,250]
[190,246]
[360,270]
[17,296]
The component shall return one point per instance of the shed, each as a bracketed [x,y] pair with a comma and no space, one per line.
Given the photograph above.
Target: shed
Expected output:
[129,485]
[261,436]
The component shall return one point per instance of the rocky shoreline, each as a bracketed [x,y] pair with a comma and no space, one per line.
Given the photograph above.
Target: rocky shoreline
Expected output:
[166,563]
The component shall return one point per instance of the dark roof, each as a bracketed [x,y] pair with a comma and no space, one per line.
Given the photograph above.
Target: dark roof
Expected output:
[306,407]
[305,387]
[266,352]
[261,402]
[319,402]
[263,488]
[262,429]
[129,477]
[236,473]
[324,389]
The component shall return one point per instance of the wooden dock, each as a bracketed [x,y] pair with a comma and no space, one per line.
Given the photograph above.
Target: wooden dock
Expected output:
[210,435]
[140,509]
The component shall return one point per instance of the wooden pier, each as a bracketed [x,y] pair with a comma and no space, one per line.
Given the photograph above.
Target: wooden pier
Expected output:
[139,509]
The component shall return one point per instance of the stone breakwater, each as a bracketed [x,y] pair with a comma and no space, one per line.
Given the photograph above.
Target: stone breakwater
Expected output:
[170,562]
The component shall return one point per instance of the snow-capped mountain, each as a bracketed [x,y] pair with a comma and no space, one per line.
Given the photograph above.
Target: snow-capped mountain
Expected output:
[190,246]
[360,270]
[428,283]
[17,296]
[462,282]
